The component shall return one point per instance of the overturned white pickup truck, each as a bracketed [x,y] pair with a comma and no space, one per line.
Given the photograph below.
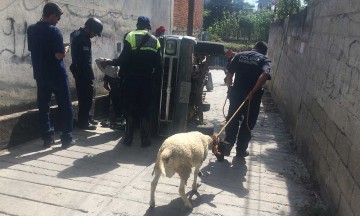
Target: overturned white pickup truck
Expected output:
[185,74]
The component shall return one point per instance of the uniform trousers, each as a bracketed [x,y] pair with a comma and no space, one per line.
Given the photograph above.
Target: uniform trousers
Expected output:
[85,94]
[242,135]
[60,88]
[137,101]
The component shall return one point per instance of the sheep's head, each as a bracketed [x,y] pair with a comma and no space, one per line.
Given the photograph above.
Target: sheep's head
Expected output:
[218,148]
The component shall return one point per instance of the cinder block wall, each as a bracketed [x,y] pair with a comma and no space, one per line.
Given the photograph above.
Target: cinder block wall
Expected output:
[316,85]
[17,86]
[181,16]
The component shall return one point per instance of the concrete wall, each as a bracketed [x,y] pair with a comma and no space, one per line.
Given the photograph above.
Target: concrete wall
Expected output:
[316,84]
[17,86]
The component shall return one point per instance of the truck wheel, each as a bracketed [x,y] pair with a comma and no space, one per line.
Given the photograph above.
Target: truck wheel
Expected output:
[205,107]
[209,85]
[208,48]
[207,128]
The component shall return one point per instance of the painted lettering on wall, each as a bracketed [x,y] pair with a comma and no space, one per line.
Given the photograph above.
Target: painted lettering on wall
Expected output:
[9,32]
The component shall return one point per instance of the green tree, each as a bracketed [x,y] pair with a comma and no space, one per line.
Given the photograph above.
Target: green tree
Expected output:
[285,8]
[246,26]
[215,9]
[265,4]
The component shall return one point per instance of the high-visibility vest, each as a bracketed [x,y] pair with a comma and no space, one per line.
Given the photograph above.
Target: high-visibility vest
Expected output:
[135,38]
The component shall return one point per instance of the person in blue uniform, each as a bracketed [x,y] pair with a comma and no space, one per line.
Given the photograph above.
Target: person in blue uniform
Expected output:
[45,42]
[115,87]
[81,67]
[139,62]
[252,70]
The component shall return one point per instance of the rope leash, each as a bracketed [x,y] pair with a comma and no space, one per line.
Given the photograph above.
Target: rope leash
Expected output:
[238,109]
[216,136]
[224,108]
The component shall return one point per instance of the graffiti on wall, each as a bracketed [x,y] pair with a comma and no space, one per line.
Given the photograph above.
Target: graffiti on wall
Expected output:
[15,32]
[9,32]
[17,57]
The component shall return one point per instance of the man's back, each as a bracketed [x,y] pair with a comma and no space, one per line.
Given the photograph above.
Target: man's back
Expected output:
[142,53]
[248,66]
[44,41]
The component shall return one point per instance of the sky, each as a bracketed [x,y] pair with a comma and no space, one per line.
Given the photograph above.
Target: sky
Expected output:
[250,1]
[253,2]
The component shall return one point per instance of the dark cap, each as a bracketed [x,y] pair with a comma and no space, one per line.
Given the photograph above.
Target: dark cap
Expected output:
[94,25]
[161,29]
[261,47]
[143,22]
[52,8]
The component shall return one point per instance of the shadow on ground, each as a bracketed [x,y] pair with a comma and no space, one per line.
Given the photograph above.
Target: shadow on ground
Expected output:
[92,165]
[227,176]
[177,208]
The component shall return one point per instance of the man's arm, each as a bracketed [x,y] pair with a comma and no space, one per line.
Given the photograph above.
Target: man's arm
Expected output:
[84,59]
[229,79]
[60,55]
[58,46]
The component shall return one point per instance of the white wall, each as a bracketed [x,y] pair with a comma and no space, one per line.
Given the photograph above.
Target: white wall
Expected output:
[17,86]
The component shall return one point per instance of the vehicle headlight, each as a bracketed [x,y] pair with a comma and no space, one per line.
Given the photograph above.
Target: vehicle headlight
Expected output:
[171,46]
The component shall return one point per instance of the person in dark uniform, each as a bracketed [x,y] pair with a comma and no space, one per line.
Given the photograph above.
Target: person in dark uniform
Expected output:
[115,86]
[252,70]
[81,68]
[139,61]
[45,42]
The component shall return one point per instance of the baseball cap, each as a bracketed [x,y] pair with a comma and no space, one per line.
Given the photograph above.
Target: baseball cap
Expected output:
[144,21]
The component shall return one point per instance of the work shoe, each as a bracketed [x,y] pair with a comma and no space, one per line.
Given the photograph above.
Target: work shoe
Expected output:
[226,148]
[87,127]
[127,141]
[105,123]
[242,154]
[119,125]
[67,144]
[145,142]
[48,142]
[93,121]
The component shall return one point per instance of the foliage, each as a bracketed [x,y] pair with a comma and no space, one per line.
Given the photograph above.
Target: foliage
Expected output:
[215,9]
[265,4]
[237,47]
[285,8]
[243,26]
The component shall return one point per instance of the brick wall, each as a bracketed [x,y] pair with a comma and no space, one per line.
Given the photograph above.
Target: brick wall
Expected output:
[315,83]
[181,16]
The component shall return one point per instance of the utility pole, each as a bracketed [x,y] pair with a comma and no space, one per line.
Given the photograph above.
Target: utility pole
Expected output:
[190,26]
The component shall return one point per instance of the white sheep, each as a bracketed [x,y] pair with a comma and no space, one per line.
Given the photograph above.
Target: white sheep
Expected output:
[178,154]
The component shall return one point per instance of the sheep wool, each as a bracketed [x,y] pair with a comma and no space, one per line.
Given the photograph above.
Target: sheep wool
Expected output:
[178,154]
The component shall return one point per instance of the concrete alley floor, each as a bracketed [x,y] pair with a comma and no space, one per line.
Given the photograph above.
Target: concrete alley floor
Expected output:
[99,176]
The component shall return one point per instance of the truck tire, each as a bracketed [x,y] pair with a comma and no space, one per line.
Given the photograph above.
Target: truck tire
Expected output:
[205,107]
[207,128]
[209,85]
[208,48]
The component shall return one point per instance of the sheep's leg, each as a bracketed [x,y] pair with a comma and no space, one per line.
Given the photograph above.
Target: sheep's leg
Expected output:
[153,187]
[196,172]
[182,193]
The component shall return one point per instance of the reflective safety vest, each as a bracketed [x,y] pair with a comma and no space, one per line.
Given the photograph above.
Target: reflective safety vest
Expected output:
[136,37]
